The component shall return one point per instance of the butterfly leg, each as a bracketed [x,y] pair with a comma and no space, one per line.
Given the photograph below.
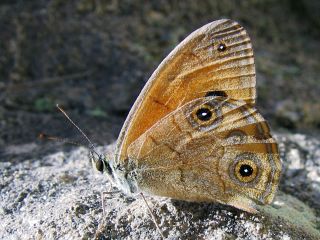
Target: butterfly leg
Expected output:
[108,194]
[104,195]
[152,215]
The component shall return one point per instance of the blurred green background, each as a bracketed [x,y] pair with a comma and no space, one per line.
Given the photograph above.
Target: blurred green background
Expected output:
[93,57]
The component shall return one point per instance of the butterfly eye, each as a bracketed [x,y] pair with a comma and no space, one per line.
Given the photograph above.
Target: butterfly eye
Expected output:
[204,114]
[246,170]
[99,165]
[222,47]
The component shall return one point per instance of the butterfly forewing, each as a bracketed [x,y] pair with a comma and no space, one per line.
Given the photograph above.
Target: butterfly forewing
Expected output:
[218,57]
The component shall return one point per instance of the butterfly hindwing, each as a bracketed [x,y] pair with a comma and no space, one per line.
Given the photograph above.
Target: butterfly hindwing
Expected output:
[188,155]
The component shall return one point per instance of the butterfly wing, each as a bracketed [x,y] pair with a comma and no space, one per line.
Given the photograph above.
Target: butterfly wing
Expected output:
[216,59]
[210,149]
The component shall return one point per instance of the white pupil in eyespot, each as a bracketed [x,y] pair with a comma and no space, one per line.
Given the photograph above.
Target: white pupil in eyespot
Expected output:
[203,114]
[246,170]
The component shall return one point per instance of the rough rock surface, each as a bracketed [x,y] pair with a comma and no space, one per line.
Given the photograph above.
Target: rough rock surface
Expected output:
[58,197]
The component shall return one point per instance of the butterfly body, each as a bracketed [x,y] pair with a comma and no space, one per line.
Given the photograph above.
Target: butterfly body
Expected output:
[194,133]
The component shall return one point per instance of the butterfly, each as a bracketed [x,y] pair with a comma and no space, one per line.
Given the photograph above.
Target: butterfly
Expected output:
[194,133]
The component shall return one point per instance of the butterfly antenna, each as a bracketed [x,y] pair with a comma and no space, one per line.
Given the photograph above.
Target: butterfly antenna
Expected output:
[91,145]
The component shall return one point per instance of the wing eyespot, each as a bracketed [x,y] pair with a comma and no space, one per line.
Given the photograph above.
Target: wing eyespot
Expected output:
[222,47]
[246,170]
[204,114]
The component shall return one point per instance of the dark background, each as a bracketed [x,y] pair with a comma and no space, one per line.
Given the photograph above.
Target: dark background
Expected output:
[93,58]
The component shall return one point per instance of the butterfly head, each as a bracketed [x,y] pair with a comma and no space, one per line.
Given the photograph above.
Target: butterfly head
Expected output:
[100,163]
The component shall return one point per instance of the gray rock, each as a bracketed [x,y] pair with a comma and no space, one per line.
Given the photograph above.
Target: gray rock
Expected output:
[58,197]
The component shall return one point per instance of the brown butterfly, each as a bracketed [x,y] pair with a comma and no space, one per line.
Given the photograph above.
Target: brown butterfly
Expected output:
[194,133]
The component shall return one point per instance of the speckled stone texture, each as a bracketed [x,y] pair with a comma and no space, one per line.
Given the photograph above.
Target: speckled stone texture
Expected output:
[58,197]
